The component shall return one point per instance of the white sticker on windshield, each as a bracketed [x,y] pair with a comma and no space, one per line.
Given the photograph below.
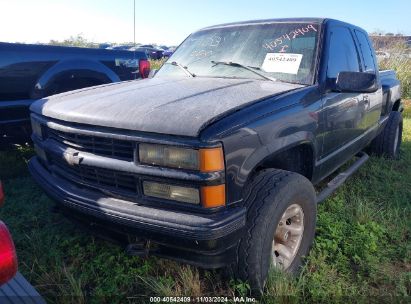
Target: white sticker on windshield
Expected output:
[282,63]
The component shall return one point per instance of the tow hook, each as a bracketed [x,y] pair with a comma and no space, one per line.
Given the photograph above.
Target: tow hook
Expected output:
[141,249]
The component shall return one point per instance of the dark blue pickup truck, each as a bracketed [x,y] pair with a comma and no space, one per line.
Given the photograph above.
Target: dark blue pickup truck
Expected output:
[29,72]
[214,160]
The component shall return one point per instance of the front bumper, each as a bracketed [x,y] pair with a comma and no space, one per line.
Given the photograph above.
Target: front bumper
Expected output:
[205,240]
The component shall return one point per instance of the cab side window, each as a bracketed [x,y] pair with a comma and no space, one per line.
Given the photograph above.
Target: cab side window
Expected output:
[366,52]
[343,55]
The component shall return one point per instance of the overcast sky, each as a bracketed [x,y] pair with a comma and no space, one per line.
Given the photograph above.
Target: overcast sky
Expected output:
[169,22]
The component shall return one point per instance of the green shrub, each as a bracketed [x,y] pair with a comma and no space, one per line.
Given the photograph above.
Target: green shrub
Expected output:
[156,64]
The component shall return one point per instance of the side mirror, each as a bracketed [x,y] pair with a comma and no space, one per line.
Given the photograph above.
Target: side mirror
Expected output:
[360,82]
[152,73]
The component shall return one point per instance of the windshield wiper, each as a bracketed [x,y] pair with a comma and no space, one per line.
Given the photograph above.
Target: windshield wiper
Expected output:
[248,68]
[183,68]
[273,79]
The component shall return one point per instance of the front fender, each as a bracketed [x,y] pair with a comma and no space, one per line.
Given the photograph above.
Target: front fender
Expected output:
[281,144]
[246,150]
[275,146]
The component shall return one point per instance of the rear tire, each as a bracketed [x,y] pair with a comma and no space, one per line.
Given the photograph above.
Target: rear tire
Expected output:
[388,142]
[268,196]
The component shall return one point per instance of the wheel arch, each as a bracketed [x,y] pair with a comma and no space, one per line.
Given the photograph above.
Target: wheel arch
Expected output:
[72,69]
[297,157]
[296,154]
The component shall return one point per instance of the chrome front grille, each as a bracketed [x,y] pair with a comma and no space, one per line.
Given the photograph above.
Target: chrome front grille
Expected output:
[120,183]
[102,146]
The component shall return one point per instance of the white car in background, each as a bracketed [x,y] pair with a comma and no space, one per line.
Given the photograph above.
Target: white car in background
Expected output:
[382,55]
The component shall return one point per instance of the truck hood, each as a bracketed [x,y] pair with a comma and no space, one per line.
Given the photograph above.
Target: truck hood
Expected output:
[175,106]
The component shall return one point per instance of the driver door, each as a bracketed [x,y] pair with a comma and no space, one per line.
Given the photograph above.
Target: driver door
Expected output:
[343,113]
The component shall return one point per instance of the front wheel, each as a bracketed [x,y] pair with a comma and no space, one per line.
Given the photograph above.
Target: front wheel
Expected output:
[280,225]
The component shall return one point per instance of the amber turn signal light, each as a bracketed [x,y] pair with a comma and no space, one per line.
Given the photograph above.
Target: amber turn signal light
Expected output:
[213,196]
[211,159]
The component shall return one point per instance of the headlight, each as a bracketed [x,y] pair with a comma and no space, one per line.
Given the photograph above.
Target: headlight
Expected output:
[171,192]
[37,128]
[204,160]
[165,156]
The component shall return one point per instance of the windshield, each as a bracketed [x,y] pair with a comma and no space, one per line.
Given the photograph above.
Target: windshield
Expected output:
[281,51]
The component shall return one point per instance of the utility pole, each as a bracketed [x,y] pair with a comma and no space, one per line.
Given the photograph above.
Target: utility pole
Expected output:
[134,10]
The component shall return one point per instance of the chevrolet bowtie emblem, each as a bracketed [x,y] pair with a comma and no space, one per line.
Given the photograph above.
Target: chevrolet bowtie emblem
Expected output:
[73,158]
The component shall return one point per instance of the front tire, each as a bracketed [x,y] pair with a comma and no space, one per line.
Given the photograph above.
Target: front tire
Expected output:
[280,225]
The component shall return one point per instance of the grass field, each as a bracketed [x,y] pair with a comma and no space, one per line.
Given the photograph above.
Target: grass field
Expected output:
[401,64]
[362,249]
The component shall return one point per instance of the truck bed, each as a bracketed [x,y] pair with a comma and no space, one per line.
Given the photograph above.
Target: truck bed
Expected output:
[391,88]
[389,81]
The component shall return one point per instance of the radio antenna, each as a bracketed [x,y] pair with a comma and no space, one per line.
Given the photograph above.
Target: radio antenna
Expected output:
[134,10]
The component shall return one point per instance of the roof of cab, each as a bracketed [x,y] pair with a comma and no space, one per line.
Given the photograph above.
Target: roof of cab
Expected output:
[262,21]
[285,20]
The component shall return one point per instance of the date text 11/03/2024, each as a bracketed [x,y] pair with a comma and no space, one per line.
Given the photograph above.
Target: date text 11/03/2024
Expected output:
[202,299]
